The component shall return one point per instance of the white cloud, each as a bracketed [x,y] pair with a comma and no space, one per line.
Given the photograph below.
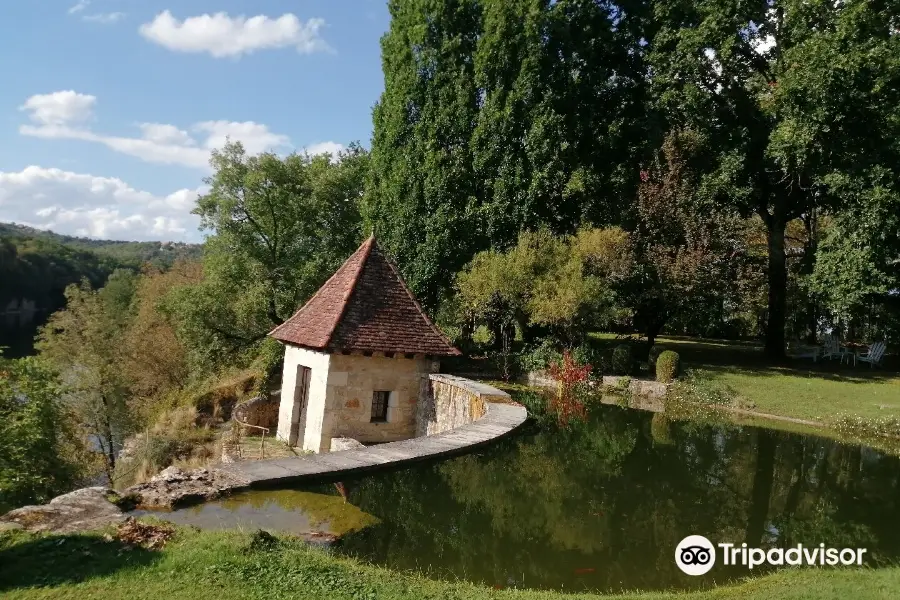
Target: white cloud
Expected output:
[101,207]
[222,36]
[61,115]
[255,137]
[325,147]
[161,133]
[79,6]
[60,108]
[104,18]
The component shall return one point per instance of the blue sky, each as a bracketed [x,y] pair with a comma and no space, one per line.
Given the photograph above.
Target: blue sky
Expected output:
[109,107]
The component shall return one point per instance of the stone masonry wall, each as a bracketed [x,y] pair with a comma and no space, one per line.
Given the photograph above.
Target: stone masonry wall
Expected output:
[260,411]
[449,401]
[353,379]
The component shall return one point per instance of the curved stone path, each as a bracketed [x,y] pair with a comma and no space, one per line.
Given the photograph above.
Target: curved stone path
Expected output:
[498,421]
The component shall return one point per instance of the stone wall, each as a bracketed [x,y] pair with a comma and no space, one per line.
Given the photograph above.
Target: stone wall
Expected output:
[261,411]
[448,402]
[352,381]
[341,390]
[639,387]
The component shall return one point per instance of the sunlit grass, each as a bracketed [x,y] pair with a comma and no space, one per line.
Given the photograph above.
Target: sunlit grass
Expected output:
[228,565]
[820,392]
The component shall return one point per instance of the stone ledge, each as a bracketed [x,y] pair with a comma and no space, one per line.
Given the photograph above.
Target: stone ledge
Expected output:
[476,388]
[640,387]
[499,420]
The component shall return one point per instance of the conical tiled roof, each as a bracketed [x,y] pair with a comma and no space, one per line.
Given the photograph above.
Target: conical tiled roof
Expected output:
[365,306]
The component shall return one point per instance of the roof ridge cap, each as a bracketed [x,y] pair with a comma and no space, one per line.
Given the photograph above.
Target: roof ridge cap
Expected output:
[367,251]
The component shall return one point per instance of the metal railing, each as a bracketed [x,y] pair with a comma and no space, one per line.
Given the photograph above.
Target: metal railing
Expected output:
[240,446]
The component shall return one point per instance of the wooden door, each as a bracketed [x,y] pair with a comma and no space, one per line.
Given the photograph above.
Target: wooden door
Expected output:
[301,397]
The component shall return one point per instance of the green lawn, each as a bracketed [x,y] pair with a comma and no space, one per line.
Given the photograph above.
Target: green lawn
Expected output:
[226,565]
[799,388]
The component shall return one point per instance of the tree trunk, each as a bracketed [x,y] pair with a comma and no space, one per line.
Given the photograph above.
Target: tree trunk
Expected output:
[110,437]
[652,332]
[777,276]
[811,222]
[762,487]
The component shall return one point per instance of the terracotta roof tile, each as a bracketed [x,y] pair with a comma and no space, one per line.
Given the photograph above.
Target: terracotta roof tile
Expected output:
[365,306]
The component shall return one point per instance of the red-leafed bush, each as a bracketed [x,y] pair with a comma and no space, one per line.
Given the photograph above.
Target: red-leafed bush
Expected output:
[570,377]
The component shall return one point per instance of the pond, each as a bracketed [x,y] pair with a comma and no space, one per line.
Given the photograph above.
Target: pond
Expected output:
[600,505]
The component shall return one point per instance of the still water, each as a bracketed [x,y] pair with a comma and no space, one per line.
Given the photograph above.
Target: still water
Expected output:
[600,505]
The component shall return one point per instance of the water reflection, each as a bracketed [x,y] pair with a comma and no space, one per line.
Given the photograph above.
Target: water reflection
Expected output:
[603,505]
[289,511]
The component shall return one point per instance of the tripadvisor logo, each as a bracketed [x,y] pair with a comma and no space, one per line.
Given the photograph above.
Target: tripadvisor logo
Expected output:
[696,555]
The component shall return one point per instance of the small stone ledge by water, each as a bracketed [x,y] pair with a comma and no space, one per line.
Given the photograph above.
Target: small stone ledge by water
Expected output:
[639,387]
[173,487]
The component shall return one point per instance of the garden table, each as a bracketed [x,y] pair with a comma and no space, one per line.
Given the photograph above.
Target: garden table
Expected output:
[852,350]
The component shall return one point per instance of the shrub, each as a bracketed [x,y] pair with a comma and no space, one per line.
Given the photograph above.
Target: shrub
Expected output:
[568,402]
[540,356]
[667,366]
[661,429]
[175,439]
[586,354]
[655,351]
[40,451]
[482,336]
[622,360]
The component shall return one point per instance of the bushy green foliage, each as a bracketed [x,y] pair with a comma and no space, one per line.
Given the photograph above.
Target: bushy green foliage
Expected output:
[83,342]
[561,283]
[668,365]
[483,131]
[588,354]
[39,450]
[787,104]
[539,356]
[623,360]
[697,388]
[280,226]
[661,429]
[857,262]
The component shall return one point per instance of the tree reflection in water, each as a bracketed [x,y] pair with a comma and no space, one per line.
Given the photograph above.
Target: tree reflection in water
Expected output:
[602,504]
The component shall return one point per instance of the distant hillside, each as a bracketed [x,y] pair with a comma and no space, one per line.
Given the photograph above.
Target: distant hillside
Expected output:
[124,254]
[36,266]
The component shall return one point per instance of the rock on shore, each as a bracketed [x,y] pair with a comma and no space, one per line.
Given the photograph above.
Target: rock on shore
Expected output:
[81,510]
[174,487]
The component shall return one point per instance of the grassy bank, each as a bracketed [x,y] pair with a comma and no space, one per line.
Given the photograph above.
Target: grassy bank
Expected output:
[799,389]
[229,565]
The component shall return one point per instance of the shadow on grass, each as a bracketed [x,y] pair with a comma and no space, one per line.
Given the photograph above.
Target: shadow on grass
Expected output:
[835,374]
[747,358]
[43,561]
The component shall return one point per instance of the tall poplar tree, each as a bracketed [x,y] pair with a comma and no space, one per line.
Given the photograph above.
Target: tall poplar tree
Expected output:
[422,192]
[498,117]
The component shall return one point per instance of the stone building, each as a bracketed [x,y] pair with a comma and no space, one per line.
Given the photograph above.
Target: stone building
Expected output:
[357,357]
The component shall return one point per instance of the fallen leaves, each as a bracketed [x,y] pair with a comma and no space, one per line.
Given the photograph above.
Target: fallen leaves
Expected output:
[135,533]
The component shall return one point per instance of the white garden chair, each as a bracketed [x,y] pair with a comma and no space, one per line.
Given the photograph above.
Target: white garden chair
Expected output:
[832,348]
[873,356]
